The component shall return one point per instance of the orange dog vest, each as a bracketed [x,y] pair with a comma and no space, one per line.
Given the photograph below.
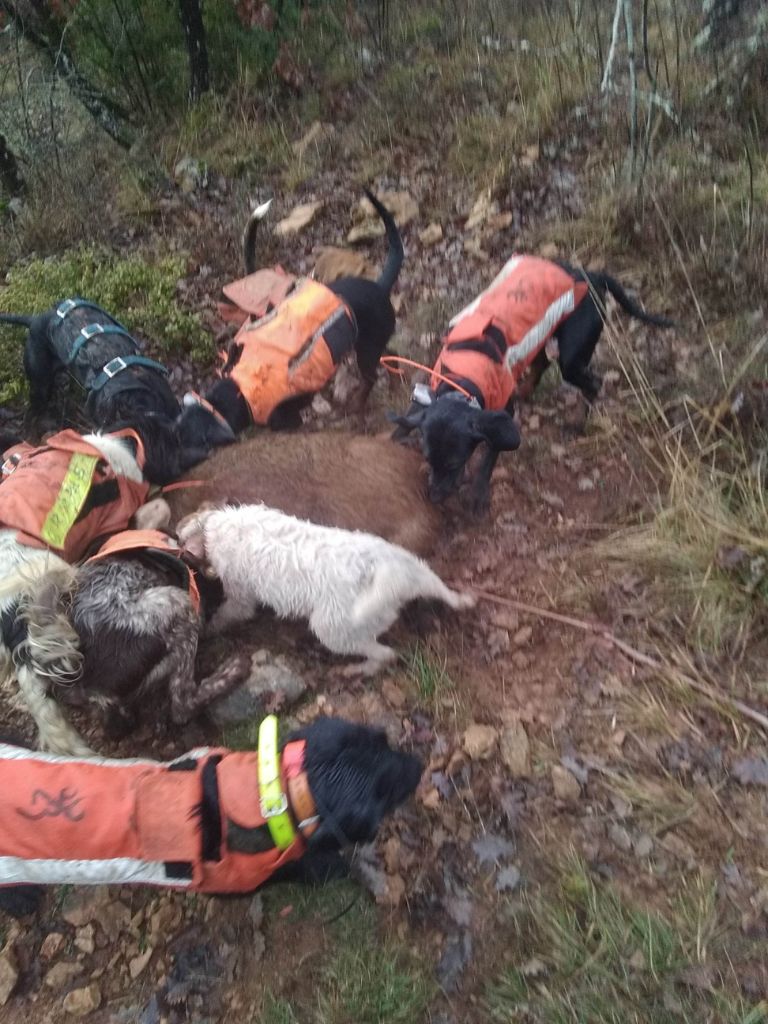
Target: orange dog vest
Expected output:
[45,490]
[526,302]
[109,822]
[294,350]
[158,543]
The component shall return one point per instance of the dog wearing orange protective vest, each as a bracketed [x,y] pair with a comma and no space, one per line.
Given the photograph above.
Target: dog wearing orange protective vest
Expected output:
[213,821]
[534,311]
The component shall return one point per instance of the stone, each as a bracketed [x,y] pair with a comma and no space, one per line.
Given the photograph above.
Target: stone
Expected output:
[479,741]
[113,918]
[392,693]
[9,974]
[165,920]
[61,974]
[81,1001]
[82,905]
[522,636]
[431,234]
[643,845]
[567,787]
[299,217]
[516,751]
[51,945]
[317,133]
[401,205]
[190,174]
[620,838]
[84,939]
[137,964]
[271,677]
[483,209]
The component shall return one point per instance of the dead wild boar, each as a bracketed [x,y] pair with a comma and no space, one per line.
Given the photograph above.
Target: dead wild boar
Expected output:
[332,478]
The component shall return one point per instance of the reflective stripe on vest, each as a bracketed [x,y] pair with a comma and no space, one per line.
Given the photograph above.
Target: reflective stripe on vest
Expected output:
[44,495]
[151,541]
[294,350]
[102,821]
[526,302]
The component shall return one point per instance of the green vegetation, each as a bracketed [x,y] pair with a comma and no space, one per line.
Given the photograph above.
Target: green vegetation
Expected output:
[588,955]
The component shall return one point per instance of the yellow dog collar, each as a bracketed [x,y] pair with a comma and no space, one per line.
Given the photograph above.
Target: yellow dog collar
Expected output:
[274,802]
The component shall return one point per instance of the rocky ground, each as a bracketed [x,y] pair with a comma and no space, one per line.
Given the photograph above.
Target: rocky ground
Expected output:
[544,741]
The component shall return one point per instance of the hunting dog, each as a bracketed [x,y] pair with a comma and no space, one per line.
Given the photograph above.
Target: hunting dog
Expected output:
[119,631]
[120,384]
[534,311]
[350,586]
[199,822]
[361,319]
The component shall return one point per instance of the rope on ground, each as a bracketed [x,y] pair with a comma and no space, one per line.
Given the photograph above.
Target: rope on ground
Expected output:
[664,671]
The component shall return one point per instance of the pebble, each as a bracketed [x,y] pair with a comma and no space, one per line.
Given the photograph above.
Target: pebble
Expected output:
[620,837]
[516,751]
[81,1001]
[479,741]
[61,974]
[566,785]
[9,974]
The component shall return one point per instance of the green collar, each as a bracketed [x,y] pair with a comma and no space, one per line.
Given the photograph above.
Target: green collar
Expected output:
[274,802]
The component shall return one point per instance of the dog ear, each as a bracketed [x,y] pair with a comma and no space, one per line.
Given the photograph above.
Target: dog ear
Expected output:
[191,536]
[397,778]
[499,430]
[407,423]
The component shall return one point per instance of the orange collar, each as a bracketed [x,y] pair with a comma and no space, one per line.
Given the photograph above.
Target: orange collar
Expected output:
[299,794]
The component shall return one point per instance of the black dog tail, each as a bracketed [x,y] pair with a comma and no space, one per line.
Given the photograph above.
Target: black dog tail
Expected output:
[395,255]
[19,321]
[631,307]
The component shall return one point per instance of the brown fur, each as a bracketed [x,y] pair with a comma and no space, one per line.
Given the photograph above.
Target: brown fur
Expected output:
[331,478]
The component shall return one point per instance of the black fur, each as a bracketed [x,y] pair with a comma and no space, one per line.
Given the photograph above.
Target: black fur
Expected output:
[48,350]
[374,316]
[451,428]
[166,455]
[356,780]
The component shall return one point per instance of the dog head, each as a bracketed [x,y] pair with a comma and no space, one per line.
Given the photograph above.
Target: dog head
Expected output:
[201,426]
[166,456]
[190,532]
[355,778]
[451,428]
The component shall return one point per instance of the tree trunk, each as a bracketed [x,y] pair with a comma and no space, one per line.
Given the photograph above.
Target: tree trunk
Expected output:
[10,175]
[107,114]
[194,32]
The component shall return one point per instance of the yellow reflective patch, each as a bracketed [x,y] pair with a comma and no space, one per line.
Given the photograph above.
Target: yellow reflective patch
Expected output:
[70,499]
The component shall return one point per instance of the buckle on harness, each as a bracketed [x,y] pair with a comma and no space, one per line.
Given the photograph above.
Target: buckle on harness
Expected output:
[91,331]
[114,366]
[65,307]
[422,394]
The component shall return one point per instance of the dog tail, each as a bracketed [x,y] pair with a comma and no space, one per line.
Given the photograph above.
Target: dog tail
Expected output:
[16,319]
[399,580]
[249,236]
[631,307]
[395,256]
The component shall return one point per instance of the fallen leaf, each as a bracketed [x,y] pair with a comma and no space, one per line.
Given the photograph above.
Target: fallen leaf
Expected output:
[751,771]
[456,956]
[490,849]
[298,218]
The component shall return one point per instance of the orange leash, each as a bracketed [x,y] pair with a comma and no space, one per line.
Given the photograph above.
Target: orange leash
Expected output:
[386,360]
[180,484]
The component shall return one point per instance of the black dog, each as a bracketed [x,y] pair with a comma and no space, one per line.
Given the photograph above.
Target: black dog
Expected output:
[374,318]
[121,385]
[452,424]
[354,780]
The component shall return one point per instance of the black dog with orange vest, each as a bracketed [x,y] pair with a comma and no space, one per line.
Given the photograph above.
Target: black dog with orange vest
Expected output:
[534,311]
[294,335]
[212,821]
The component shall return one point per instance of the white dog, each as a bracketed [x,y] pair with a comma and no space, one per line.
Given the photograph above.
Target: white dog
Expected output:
[350,585]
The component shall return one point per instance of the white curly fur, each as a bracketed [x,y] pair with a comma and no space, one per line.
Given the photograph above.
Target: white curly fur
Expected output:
[349,585]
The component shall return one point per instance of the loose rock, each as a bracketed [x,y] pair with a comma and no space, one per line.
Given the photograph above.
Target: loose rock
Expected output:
[298,218]
[84,939]
[61,974]
[479,741]
[272,678]
[431,234]
[566,785]
[81,1001]
[51,945]
[9,974]
[516,751]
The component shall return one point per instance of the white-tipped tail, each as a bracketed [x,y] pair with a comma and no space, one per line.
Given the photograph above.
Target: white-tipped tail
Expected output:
[260,211]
